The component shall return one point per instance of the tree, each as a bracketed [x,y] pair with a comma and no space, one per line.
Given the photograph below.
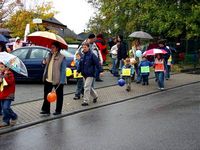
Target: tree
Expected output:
[7,7]
[167,18]
[17,22]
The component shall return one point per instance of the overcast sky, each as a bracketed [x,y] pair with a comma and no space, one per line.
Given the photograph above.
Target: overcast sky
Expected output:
[73,13]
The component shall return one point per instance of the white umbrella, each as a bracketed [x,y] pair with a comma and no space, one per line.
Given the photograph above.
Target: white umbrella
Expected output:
[13,62]
[141,35]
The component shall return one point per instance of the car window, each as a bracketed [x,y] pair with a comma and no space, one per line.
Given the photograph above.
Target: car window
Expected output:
[21,53]
[38,53]
[71,50]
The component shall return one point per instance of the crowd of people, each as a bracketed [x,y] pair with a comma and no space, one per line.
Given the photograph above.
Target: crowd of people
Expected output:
[90,57]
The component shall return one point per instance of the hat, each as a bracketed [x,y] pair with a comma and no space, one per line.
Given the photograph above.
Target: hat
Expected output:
[17,38]
[91,36]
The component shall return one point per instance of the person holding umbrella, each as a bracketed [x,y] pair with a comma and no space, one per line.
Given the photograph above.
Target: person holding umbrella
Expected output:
[7,92]
[159,66]
[54,77]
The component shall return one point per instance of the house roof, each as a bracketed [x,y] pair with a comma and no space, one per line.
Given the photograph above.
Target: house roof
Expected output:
[54,21]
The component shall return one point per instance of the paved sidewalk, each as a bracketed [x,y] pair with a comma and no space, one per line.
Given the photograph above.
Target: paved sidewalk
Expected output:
[29,112]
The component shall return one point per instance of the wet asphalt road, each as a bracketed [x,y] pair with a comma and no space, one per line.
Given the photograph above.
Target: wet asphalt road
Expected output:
[168,120]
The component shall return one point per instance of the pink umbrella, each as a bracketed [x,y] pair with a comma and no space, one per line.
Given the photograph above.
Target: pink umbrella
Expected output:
[154,51]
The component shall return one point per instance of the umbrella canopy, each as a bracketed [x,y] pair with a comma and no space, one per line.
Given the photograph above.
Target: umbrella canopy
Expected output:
[141,35]
[13,62]
[44,38]
[154,51]
[3,39]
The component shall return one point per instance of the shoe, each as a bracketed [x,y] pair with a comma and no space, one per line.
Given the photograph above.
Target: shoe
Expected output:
[128,90]
[13,122]
[4,124]
[99,80]
[143,83]
[56,113]
[167,78]
[95,100]
[84,104]
[44,113]
[159,88]
[147,83]
[76,97]
[162,89]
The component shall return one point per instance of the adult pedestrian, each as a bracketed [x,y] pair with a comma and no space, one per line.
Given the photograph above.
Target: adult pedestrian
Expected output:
[122,53]
[100,42]
[87,67]
[113,53]
[94,48]
[17,44]
[96,51]
[162,45]
[54,77]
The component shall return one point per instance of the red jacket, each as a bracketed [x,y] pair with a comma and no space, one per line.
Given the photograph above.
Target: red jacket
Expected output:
[9,90]
[102,47]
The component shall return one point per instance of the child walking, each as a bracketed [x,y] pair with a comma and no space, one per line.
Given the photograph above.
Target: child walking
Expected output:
[145,70]
[159,70]
[80,83]
[127,73]
[7,91]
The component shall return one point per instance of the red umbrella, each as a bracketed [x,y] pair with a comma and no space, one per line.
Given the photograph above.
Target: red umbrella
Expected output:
[44,38]
[154,51]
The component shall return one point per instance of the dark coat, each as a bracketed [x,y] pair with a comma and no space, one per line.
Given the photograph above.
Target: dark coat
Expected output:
[122,51]
[88,63]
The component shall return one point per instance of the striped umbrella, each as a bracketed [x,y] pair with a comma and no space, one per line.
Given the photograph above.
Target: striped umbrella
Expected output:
[44,38]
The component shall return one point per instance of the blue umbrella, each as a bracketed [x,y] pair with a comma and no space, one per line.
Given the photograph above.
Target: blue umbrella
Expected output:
[3,39]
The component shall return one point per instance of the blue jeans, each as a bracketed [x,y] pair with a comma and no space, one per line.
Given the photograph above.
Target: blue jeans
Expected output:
[121,64]
[0,109]
[8,113]
[79,87]
[139,76]
[160,78]
[167,74]
[114,68]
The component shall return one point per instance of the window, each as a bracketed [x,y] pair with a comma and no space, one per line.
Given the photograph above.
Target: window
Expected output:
[21,53]
[38,53]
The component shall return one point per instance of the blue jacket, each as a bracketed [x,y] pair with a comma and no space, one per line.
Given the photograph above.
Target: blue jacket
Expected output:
[88,64]
[144,63]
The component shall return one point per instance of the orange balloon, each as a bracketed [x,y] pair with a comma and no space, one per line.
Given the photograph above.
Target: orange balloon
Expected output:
[52,97]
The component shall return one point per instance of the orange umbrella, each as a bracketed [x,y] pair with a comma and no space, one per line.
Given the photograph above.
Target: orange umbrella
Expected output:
[44,38]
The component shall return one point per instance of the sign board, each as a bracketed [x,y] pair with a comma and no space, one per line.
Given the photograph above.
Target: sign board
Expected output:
[145,69]
[79,75]
[126,72]
[37,20]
